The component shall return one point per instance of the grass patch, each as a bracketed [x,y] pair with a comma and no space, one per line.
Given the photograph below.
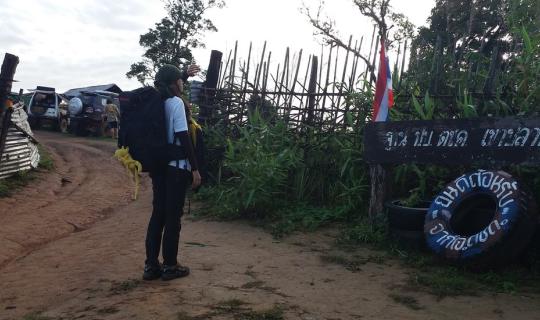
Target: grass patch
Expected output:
[237,309]
[36,316]
[46,161]
[353,264]
[445,282]
[231,306]
[234,308]
[275,313]
[124,286]
[253,284]
[10,185]
[182,315]
[427,273]
[408,301]
[108,310]
[19,180]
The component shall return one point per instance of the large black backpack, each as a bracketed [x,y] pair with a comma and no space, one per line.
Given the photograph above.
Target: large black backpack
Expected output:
[142,128]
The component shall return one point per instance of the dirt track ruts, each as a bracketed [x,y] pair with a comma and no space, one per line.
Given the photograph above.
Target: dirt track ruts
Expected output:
[94,273]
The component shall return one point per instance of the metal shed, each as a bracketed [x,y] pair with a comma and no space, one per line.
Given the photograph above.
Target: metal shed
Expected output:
[106,87]
[20,152]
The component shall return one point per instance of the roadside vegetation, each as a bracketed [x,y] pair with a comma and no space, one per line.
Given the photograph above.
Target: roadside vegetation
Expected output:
[14,183]
[305,178]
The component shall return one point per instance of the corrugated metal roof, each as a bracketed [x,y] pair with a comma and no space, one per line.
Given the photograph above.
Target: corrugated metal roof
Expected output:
[106,87]
[19,154]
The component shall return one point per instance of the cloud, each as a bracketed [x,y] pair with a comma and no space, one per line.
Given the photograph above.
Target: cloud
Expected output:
[117,15]
[12,39]
[64,75]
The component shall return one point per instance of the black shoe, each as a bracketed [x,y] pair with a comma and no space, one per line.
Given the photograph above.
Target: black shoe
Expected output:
[173,272]
[151,272]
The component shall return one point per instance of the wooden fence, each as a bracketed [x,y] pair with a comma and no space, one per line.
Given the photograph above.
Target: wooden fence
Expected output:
[300,88]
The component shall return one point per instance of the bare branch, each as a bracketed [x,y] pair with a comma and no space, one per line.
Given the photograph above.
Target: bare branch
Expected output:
[326,29]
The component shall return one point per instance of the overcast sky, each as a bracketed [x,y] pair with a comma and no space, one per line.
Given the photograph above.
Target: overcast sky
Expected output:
[75,43]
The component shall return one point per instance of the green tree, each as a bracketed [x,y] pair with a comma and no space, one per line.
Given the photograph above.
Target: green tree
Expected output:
[459,40]
[171,39]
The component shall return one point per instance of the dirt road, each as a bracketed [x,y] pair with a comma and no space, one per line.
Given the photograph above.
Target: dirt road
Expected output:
[73,248]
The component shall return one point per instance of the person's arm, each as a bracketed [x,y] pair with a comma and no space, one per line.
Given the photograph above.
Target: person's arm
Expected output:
[117,111]
[181,133]
[190,72]
[185,140]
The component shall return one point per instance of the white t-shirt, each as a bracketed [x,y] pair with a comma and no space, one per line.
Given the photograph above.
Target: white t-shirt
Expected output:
[175,120]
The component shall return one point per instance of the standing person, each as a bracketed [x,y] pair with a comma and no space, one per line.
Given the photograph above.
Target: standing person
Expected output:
[113,117]
[169,184]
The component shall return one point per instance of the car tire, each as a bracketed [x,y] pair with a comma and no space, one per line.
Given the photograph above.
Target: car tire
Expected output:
[62,125]
[100,129]
[34,123]
[406,218]
[408,239]
[482,220]
[80,129]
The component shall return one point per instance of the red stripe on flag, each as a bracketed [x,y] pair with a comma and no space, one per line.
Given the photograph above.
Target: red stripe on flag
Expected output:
[380,87]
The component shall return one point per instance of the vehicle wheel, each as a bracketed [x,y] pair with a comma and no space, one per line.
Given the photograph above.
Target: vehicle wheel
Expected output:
[63,125]
[482,220]
[406,218]
[72,126]
[35,124]
[408,239]
[80,129]
[100,129]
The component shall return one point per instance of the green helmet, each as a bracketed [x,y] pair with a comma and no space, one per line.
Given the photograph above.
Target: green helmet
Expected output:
[167,75]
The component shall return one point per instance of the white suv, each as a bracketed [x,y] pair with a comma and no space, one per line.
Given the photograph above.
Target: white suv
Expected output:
[47,107]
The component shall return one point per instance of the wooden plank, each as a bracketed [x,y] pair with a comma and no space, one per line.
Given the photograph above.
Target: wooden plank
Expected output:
[403,64]
[212,79]
[312,90]
[224,74]
[304,87]
[375,54]
[488,141]
[335,108]
[294,84]
[266,73]
[261,67]
[343,79]
[285,66]
[379,188]
[325,89]
[7,72]
[233,65]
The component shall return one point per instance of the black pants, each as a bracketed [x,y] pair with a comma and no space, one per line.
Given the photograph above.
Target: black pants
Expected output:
[169,188]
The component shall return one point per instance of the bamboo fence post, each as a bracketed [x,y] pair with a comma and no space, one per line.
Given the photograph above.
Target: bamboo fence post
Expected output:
[210,85]
[375,57]
[402,64]
[311,91]
[302,115]
[261,69]
[334,106]
[325,89]
[224,74]
[294,85]
[343,81]
[9,66]
[489,84]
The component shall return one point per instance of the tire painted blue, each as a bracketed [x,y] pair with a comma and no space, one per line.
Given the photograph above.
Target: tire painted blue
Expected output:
[501,186]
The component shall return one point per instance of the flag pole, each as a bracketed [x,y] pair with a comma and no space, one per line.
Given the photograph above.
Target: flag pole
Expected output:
[378,173]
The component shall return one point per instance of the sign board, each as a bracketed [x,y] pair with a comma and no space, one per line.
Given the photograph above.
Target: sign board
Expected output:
[488,141]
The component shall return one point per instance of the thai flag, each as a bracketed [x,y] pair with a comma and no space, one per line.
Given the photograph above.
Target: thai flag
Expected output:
[384,97]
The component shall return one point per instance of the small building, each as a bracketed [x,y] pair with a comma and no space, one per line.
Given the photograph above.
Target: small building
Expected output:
[106,87]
